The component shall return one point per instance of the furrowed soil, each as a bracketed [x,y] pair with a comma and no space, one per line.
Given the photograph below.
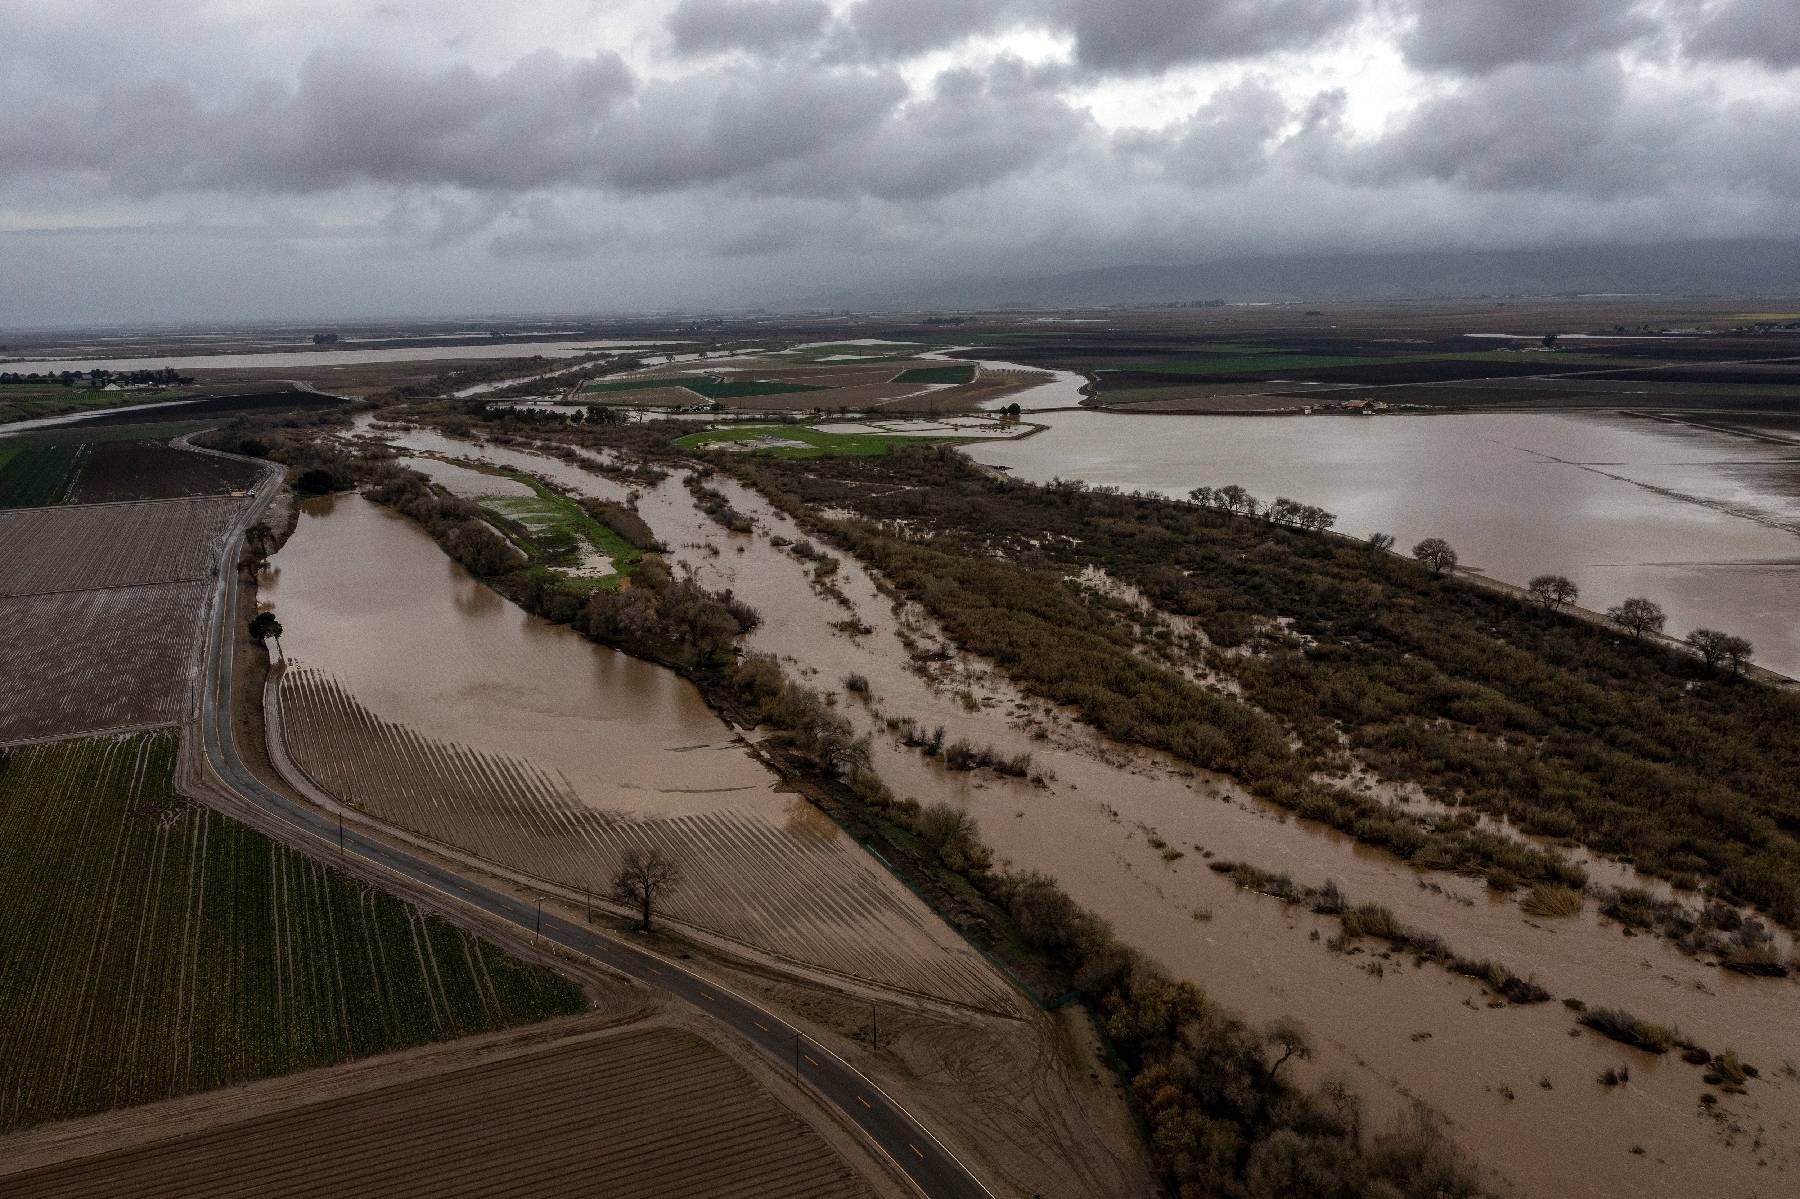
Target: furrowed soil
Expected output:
[418,695]
[155,948]
[90,661]
[654,1112]
[77,547]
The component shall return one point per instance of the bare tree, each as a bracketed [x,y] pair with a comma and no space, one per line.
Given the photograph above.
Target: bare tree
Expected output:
[1290,1038]
[265,628]
[1718,649]
[1638,616]
[1554,592]
[1436,555]
[644,877]
[1381,543]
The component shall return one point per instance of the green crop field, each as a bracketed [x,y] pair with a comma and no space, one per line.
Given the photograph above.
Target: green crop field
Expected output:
[816,442]
[35,475]
[937,374]
[153,948]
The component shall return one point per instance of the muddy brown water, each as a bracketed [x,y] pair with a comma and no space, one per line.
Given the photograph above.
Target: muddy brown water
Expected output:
[1705,523]
[371,607]
[365,596]
[1406,1033]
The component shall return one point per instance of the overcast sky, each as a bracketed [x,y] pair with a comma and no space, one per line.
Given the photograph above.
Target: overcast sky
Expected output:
[206,159]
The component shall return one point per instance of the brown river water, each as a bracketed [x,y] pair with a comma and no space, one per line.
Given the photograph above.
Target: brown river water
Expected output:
[1704,523]
[1399,1034]
[432,683]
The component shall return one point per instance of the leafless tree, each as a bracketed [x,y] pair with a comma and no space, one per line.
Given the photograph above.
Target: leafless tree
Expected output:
[1719,649]
[1638,616]
[1436,555]
[644,878]
[1554,592]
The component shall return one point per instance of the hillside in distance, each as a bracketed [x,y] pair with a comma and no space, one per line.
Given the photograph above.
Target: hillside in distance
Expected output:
[1748,266]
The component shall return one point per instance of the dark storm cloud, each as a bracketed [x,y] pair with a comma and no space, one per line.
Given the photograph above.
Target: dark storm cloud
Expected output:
[700,27]
[1110,36]
[1765,31]
[1475,36]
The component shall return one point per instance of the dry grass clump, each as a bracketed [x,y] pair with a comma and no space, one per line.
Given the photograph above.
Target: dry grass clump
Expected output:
[1549,899]
[1626,1028]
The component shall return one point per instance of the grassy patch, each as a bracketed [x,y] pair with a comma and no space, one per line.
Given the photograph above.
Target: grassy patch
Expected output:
[555,528]
[937,374]
[33,476]
[816,442]
[155,948]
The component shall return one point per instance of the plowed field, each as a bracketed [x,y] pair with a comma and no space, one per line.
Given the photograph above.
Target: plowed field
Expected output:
[654,1113]
[150,470]
[151,947]
[88,661]
[114,545]
[796,887]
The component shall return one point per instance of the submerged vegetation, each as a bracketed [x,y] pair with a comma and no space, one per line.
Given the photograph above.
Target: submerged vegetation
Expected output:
[1377,922]
[1490,704]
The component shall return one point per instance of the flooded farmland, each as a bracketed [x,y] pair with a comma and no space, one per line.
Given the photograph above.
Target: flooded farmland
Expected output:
[427,700]
[1129,834]
[1704,523]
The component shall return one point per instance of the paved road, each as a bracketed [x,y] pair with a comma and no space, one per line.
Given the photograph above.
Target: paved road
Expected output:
[932,1167]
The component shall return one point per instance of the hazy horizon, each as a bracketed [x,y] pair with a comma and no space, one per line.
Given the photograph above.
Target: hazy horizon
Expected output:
[278,161]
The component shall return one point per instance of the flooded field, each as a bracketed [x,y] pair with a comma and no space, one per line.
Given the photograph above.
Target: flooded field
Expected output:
[425,351]
[1129,834]
[1705,523]
[520,742]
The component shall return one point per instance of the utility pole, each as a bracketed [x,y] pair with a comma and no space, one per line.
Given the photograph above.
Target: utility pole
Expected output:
[796,1058]
[587,904]
[538,929]
[340,817]
[874,1026]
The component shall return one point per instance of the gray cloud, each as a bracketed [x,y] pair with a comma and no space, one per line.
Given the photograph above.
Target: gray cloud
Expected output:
[1110,36]
[756,149]
[700,27]
[1483,35]
[1766,31]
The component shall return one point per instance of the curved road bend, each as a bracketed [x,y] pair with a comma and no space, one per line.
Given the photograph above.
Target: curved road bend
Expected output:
[920,1156]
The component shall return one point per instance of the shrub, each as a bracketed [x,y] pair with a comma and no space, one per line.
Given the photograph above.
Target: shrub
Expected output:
[1624,1027]
[1551,900]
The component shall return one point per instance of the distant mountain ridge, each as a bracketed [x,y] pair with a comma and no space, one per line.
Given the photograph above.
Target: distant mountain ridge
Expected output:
[1736,267]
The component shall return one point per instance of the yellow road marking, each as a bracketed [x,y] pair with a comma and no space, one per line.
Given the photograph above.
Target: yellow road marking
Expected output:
[915,1149]
[809,1057]
[760,1025]
[864,1102]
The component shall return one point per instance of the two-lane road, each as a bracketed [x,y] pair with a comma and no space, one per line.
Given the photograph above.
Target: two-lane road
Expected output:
[918,1154]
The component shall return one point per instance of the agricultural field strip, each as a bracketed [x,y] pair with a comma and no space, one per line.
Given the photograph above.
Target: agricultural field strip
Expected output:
[657,1112]
[81,547]
[192,952]
[62,679]
[848,918]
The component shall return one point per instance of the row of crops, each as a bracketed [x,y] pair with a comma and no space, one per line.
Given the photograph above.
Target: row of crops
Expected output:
[32,476]
[152,947]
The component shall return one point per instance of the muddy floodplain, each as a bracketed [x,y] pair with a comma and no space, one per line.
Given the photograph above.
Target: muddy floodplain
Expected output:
[1130,835]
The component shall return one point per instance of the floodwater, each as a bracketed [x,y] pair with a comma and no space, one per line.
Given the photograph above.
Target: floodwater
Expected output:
[366,597]
[1402,1034]
[1704,523]
[279,359]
